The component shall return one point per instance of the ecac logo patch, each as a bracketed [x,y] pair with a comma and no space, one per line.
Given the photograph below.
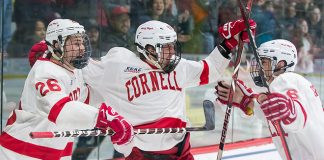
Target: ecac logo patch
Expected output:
[133,69]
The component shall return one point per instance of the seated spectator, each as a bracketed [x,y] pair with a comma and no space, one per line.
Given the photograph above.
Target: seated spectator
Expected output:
[118,32]
[24,39]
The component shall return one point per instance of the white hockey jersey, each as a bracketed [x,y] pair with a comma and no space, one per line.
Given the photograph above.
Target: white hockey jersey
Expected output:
[304,135]
[146,97]
[52,100]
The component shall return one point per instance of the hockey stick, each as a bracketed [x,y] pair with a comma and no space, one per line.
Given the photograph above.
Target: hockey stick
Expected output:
[261,72]
[231,93]
[209,112]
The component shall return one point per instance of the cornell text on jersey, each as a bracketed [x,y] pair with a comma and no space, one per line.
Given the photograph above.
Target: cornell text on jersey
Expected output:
[149,82]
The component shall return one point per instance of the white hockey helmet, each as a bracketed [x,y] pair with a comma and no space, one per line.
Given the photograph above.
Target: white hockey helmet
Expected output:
[275,50]
[158,35]
[56,35]
[278,50]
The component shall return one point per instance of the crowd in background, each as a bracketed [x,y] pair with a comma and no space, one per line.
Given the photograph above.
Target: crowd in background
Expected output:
[111,23]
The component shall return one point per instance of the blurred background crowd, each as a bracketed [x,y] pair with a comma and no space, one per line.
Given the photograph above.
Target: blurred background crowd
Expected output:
[111,23]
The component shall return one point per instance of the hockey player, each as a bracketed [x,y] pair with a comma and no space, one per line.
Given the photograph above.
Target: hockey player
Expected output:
[293,101]
[55,98]
[150,89]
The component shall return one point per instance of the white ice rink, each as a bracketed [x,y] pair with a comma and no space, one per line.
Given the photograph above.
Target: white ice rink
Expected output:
[262,152]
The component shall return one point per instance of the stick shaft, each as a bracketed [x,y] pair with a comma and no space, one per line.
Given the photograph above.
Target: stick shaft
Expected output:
[209,112]
[231,94]
[96,132]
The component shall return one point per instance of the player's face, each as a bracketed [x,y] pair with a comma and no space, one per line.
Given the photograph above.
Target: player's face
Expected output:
[168,52]
[267,66]
[73,47]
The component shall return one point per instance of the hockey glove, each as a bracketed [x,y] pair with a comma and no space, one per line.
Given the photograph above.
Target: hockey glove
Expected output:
[230,32]
[241,97]
[108,118]
[278,107]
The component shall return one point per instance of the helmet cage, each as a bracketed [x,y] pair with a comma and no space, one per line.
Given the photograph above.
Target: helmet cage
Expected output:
[255,70]
[80,59]
[168,55]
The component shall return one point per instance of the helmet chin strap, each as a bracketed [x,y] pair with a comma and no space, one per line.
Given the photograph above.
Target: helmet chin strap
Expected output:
[284,67]
[55,50]
[155,63]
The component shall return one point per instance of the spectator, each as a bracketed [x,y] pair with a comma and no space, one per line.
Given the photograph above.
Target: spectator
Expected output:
[118,32]
[315,26]
[264,17]
[32,33]
[98,49]
[304,45]
[156,11]
[289,20]
[303,7]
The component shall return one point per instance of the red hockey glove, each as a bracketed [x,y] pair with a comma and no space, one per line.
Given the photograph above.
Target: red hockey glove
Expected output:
[108,118]
[278,107]
[241,97]
[231,30]
[36,51]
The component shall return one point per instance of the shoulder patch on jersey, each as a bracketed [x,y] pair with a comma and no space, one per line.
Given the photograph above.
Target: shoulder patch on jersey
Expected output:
[133,69]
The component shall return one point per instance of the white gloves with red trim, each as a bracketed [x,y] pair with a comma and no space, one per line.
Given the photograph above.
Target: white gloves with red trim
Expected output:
[241,97]
[231,30]
[278,107]
[108,118]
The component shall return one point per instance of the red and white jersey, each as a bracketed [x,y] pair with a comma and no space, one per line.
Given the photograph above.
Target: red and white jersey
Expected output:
[52,100]
[145,96]
[304,136]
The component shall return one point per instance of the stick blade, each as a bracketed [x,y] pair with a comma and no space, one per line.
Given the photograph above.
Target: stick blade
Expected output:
[209,112]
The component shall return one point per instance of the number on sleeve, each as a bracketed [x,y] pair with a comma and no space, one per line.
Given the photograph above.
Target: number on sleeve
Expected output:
[51,85]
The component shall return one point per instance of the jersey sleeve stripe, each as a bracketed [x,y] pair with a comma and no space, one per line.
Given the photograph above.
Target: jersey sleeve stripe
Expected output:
[204,77]
[33,150]
[56,109]
[88,96]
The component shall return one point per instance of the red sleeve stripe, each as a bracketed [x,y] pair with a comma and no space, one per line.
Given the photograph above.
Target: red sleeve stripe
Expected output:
[33,150]
[11,119]
[88,96]
[56,109]
[204,77]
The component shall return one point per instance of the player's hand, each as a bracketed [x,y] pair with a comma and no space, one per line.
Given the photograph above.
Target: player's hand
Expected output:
[36,51]
[242,97]
[278,107]
[230,32]
[108,118]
